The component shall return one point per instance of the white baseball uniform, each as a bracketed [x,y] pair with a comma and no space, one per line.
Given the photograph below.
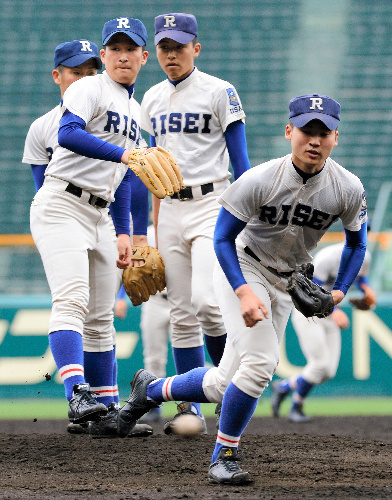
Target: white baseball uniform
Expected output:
[285,220]
[189,120]
[71,229]
[320,338]
[41,139]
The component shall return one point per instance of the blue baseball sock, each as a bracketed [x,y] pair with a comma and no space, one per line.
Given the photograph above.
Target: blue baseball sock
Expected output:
[215,347]
[303,389]
[186,359]
[186,387]
[98,372]
[284,386]
[116,397]
[237,410]
[67,351]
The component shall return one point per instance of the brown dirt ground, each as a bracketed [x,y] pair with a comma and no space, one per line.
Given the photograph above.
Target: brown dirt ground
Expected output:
[334,457]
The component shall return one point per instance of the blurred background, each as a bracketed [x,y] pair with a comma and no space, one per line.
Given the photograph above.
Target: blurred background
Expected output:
[271,51]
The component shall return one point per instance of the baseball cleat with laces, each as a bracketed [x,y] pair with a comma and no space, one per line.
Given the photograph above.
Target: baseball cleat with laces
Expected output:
[83,406]
[226,469]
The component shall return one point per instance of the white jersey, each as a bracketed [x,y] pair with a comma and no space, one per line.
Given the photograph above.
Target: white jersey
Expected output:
[285,217]
[41,139]
[110,115]
[189,120]
[326,264]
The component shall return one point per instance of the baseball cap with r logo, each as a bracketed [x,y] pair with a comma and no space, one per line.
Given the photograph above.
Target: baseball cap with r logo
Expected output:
[306,108]
[134,28]
[75,53]
[181,28]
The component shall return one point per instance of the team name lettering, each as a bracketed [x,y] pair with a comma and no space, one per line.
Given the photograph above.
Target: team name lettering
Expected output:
[119,125]
[316,103]
[85,46]
[298,215]
[189,123]
[170,22]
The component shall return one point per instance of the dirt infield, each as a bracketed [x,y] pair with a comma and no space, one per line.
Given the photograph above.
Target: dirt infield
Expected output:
[335,457]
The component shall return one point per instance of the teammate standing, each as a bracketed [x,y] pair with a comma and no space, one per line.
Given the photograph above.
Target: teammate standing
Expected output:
[70,220]
[272,217]
[72,61]
[200,120]
[319,338]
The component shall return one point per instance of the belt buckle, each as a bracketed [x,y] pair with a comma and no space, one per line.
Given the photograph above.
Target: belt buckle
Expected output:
[96,201]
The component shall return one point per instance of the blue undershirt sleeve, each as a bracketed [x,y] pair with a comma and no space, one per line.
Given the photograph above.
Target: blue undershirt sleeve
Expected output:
[139,205]
[38,175]
[237,147]
[227,229]
[72,136]
[121,294]
[153,142]
[120,208]
[361,280]
[352,258]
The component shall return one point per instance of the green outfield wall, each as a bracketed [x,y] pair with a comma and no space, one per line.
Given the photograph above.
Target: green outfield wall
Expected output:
[27,369]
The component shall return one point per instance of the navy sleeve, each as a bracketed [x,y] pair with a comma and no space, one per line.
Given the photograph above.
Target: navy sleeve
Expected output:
[152,141]
[121,294]
[120,208]
[38,175]
[72,136]
[352,258]
[227,229]
[237,147]
[139,205]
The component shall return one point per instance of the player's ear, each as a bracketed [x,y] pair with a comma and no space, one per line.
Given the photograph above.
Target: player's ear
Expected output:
[288,132]
[102,53]
[336,137]
[56,76]
[144,57]
[196,50]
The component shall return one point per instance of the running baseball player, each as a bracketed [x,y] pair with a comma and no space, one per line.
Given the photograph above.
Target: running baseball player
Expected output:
[319,338]
[73,231]
[200,120]
[271,218]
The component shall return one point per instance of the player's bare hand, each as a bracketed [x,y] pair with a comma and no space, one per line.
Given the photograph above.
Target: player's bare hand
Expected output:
[124,251]
[337,296]
[120,308]
[340,318]
[252,308]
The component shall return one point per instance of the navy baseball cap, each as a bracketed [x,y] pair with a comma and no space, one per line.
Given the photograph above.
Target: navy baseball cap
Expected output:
[181,28]
[309,107]
[134,28]
[75,53]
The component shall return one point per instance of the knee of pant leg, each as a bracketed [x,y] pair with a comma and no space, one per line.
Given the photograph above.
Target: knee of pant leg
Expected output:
[214,388]
[97,341]
[183,339]
[252,378]
[67,315]
[316,374]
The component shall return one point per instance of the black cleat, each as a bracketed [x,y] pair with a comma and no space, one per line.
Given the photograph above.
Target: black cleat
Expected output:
[297,416]
[277,397]
[83,406]
[226,469]
[137,404]
[185,409]
[106,426]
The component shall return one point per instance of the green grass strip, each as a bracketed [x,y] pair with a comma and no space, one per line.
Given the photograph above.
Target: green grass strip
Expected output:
[57,409]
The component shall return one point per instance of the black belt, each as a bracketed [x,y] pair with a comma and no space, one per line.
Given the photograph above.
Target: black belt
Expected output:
[95,201]
[187,194]
[249,252]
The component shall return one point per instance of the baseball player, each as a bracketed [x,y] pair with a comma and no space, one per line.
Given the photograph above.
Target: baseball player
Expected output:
[200,120]
[155,329]
[271,218]
[319,338]
[71,226]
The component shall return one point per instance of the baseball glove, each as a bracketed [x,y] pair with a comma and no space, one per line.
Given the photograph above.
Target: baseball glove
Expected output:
[309,298]
[142,282]
[361,304]
[157,169]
